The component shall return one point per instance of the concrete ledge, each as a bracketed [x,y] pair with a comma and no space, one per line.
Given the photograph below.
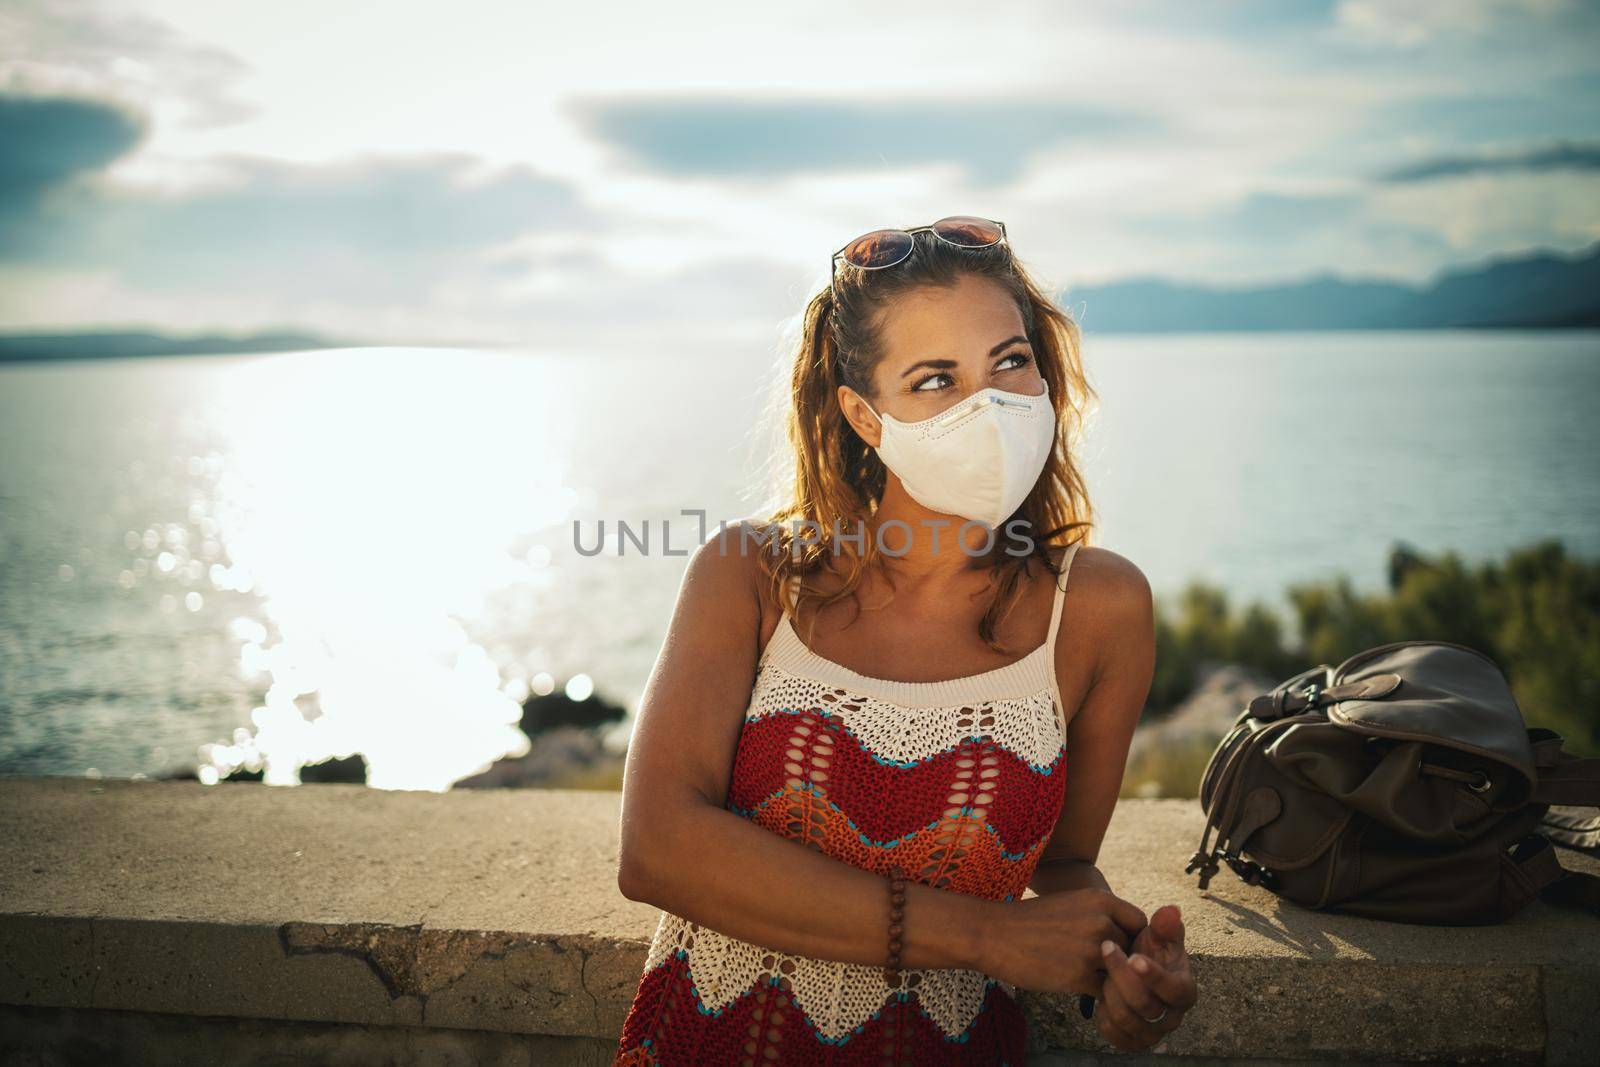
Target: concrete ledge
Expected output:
[77,1036]
[393,915]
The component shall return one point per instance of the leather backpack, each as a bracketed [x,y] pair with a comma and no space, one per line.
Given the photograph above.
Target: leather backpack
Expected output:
[1401,784]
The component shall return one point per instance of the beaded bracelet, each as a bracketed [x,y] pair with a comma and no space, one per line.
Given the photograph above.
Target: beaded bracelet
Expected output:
[897,904]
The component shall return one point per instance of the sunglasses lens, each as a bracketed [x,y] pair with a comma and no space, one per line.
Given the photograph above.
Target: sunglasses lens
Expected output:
[968,231]
[880,248]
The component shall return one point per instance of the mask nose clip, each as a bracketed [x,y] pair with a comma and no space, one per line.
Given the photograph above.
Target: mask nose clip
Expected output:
[977,459]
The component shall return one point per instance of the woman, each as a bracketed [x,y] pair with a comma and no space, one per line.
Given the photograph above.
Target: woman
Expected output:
[929,772]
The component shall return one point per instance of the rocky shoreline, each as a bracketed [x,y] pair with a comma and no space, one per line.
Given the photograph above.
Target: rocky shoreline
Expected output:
[568,751]
[570,748]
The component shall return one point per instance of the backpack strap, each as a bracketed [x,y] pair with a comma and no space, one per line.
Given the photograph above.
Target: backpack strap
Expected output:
[1574,889]
[1563,777]
[1314,694]
[1532,869]
[1572,781]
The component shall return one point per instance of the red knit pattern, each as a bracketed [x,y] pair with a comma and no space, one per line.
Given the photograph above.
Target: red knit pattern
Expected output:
[667,1027]
[886,803]
[971,819]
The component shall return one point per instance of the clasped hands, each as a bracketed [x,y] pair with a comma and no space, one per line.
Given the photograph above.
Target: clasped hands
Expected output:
[1148,988]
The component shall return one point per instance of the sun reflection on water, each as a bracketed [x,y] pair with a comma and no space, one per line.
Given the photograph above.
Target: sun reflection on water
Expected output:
[371,499]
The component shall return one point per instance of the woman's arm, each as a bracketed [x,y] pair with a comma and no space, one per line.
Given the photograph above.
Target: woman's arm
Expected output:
[1111,642]
[1107,663]
[682,851]
[1063,872]
[1143,996]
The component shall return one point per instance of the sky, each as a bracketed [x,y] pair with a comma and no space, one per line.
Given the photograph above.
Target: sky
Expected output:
[608,175]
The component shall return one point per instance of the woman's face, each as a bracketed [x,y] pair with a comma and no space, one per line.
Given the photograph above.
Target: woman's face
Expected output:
[942,345]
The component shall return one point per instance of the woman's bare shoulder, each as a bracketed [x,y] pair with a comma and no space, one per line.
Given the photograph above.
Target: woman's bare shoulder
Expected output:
[726,568]
[1110,613]
[1105,580]
[1111,610]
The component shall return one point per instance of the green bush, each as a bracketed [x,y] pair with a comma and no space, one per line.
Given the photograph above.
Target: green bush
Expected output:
[1537,613]
[1203,628]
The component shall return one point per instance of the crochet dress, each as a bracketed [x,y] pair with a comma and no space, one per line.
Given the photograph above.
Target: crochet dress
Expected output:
[960,782]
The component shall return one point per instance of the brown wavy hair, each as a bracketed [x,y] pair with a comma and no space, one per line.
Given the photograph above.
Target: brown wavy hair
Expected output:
[837,479]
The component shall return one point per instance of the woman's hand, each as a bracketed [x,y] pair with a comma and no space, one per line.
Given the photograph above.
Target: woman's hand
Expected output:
[1051,943]
[1154,983]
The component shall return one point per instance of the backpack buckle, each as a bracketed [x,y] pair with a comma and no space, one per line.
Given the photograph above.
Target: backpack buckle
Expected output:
[1205,864]
[1311,693]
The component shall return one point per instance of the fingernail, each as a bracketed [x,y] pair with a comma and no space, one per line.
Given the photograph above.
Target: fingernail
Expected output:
[1141,965]
[1107,948]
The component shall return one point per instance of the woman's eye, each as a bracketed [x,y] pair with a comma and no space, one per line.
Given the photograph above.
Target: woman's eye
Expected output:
[926,384]
[1014,360]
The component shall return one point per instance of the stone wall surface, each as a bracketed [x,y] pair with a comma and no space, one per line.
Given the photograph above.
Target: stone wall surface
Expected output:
[486,926]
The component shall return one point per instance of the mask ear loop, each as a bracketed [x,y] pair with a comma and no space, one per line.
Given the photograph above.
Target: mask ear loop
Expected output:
[868,406]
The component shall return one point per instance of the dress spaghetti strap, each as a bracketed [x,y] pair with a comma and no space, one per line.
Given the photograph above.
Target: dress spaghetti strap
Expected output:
[1055,628]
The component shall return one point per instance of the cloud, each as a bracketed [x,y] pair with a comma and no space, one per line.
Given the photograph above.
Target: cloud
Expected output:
[596,307]
[1484,213]
[49,148]
[1411,23]
[1563,156]
[1557,110]
[1258,218]
[718,136]
[87,47]
[1235,142]
[371,229]
[1271,216]
[381,229]
[1266,234]
[46,140]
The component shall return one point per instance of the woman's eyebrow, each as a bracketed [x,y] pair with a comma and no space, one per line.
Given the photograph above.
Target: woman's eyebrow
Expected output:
[936,364]
[946,364]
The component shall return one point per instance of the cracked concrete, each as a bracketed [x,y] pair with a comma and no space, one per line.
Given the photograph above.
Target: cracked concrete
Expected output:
[496,912]
[410,960]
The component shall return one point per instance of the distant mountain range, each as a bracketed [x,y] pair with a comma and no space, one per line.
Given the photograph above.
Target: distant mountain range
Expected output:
[111,344]
[1538,291]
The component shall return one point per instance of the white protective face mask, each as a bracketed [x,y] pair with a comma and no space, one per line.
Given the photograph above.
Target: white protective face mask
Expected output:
[978,459]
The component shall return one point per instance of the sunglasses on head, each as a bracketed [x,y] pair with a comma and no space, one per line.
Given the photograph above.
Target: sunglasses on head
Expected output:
[885,248]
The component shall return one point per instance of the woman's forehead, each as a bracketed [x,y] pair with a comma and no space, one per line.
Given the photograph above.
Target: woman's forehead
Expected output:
[963,321]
